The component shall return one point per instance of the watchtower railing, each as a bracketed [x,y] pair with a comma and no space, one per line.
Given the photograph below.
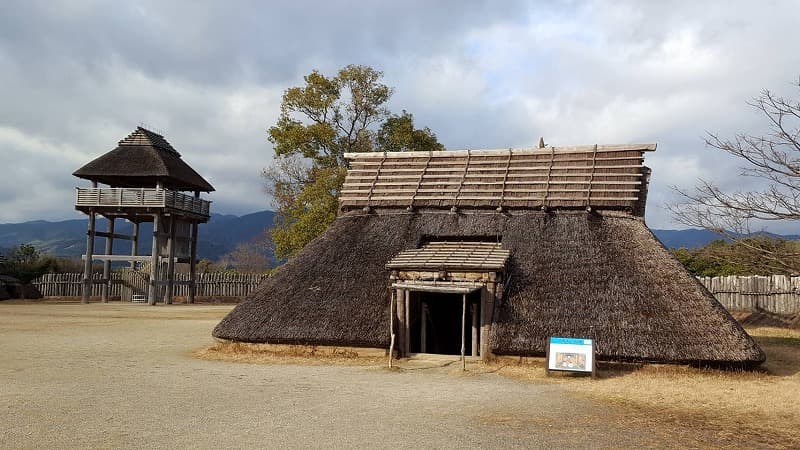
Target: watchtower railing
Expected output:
[141,197]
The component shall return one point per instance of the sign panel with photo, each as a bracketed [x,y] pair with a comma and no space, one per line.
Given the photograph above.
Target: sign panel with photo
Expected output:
[570,354]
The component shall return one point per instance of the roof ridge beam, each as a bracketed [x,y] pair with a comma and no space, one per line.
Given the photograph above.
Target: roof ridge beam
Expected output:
[520,151]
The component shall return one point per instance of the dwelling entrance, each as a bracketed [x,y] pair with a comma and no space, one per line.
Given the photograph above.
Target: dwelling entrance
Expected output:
[443,297]
[436,323]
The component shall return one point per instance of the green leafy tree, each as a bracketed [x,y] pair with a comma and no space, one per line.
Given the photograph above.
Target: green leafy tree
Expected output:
[710,261]
[397,134]
[320,122]
[742,256]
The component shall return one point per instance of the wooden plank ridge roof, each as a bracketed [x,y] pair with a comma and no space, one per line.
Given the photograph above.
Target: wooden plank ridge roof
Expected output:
[142,159]
[600,176]
[480,256]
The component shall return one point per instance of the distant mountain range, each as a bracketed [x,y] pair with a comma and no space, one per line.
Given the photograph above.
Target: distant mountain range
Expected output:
[68,237]
[693,238]
[220,235]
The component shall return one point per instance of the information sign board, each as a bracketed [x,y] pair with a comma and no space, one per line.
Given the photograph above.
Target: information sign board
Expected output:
[570,354]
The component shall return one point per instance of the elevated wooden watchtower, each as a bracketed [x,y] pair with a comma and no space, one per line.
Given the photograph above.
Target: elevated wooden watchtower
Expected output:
[146,180]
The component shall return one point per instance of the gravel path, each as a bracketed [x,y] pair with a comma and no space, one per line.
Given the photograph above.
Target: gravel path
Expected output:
[111,376]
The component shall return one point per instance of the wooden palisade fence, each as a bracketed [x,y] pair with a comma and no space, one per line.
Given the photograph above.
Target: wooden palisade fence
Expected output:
[126,283]
[777,293]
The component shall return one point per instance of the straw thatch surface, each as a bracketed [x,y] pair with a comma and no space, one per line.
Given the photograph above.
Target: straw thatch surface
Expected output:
[140,160]
[572,274]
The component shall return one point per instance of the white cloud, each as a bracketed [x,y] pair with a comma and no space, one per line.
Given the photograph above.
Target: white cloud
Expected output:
[77,77]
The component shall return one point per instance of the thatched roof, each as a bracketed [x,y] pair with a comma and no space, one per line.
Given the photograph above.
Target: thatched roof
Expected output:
[572,274]
[141,160]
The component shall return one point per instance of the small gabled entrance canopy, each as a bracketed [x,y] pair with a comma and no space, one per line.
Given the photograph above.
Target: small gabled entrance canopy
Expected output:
[452,256]
[425,282]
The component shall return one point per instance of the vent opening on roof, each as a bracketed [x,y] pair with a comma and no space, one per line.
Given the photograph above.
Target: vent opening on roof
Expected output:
[492,239]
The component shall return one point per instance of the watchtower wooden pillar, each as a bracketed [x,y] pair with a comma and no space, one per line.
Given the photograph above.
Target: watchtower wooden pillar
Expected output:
[87,266]
[155,262]
[109,235]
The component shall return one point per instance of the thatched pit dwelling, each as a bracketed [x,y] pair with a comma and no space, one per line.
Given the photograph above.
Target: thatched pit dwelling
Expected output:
[519,245]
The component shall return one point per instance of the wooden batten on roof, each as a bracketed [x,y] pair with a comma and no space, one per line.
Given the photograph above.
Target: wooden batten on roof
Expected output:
[597,176]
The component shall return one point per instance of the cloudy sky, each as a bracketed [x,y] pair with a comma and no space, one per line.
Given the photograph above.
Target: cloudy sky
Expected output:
[78,76]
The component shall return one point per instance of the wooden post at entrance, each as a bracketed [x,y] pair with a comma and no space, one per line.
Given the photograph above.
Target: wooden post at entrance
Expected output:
[487,306]
[423,335]
[170,262]
[474,309]
[401,327]
[463,332]
[87,265]
[391,326]
[107,264]
[154,262]
[407,323]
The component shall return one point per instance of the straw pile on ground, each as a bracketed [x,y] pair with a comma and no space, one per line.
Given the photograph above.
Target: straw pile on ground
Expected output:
[571,274]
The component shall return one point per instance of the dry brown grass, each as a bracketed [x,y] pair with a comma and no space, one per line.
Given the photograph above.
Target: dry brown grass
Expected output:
[291,354]
[752,408]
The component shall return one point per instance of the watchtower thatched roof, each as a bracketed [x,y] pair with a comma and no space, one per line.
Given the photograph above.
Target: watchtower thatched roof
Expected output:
[599,274]
[143,159]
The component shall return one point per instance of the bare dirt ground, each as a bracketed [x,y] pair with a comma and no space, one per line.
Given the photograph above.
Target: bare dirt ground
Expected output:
[123,376]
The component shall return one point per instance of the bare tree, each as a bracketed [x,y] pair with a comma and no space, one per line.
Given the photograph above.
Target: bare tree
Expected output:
[247,257]
[773,158]
[285,179]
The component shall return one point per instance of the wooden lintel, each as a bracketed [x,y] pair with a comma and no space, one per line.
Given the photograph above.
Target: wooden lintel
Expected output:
[440,289]
[448,275]
[494,152]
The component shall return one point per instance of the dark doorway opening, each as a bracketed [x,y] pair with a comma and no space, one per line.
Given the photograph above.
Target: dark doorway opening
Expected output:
[436,322]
